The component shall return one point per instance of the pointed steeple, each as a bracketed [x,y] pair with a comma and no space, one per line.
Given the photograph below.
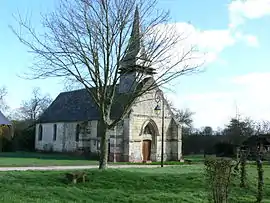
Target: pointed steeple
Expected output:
[135,64]
[135,55]
[135,37]
[135,58]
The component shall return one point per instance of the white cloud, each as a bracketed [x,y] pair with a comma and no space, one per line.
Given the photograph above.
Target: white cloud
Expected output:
[251,40]
[255,79]
[241,10]
[209,44]
[211,109]
[212,42]
[248,39]
[254,95]
[215,40]
[250,93]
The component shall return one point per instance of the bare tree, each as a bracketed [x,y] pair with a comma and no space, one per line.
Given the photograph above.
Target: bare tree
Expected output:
[100,42]
[3,94]
[262,127]
[184,116]
[31,109]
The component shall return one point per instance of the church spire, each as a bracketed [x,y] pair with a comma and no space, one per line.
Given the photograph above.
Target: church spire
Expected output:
[135,65]
[135,58]
[135,36]
[134,50]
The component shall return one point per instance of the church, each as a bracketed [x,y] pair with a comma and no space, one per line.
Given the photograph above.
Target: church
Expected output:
[71,122]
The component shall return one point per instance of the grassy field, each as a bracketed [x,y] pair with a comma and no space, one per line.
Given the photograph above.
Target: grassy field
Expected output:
[16,159]
[169,184]
[41,159]
[13,159]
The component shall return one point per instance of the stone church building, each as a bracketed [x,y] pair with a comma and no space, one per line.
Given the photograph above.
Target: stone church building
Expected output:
[71,122]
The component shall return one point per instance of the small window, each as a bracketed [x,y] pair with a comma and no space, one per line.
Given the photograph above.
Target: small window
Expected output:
[40,132]
[77,133]
[54,132]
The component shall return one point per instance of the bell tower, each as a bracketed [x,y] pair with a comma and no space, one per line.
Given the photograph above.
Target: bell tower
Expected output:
[135,63]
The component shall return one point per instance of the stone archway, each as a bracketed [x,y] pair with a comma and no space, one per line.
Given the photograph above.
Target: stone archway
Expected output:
[149,141]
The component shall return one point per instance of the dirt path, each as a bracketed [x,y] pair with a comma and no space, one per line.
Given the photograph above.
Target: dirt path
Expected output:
[49,168]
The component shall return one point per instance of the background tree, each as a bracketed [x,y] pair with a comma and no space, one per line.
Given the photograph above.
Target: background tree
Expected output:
[238,130]
[5,133]
[262,127]
[3,94]
[207,131]
[88,41]
[31,109]
[184,116]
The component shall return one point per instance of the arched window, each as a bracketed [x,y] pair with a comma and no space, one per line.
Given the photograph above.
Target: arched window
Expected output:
[40,132]
[54,132]
[77,133]
[147,129]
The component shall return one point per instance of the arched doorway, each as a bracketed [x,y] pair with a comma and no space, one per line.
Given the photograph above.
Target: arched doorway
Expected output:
[149,141]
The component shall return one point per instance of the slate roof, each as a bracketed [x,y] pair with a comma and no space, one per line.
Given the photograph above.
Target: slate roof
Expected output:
[4,120]
[78,106]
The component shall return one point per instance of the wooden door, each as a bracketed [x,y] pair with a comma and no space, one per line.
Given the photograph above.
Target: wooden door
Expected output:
[146,150]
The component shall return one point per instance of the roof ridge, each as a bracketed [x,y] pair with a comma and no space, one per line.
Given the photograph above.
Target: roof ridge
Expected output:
[77,90]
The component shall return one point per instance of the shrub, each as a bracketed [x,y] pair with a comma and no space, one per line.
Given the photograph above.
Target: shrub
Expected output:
[6,144]
[243,171]
[260,180]
[24,139]
[218,177]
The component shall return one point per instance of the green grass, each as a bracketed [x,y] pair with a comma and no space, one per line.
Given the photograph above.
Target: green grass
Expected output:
[16,159]
[169,184]
[41,159]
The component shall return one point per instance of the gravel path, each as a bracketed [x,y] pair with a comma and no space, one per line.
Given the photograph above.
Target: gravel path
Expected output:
[50,168]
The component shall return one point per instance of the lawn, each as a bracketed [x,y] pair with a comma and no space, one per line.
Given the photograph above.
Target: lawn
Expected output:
[41,159]
[16,159]
[170,184]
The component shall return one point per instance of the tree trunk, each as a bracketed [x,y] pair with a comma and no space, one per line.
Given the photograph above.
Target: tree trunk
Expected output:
[260,178]
[104,136]
[1,143]
[243,162]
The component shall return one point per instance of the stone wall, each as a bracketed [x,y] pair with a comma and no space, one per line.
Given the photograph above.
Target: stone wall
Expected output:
[142,113]
[117,143]
[66,137]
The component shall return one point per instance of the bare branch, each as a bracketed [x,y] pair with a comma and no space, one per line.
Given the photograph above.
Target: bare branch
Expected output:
[3,94]
[99,42]
[31,109]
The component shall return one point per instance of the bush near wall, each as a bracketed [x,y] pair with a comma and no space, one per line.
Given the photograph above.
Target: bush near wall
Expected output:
[24,140]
